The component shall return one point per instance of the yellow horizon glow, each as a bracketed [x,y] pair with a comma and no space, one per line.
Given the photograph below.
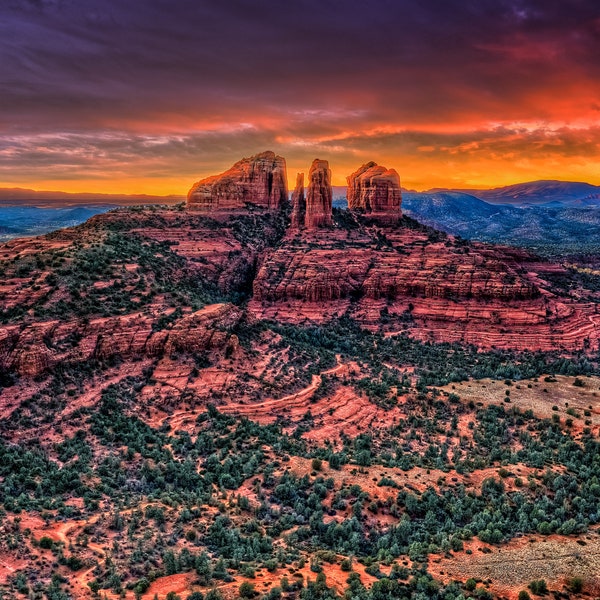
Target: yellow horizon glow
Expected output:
[415,173]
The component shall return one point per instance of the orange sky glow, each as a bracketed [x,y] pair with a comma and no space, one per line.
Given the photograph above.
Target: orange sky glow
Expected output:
[470,94]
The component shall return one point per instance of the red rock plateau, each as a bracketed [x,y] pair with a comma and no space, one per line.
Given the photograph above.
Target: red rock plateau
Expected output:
[399,278]
[260,180]
[376,191]
[319,196]
[430,286]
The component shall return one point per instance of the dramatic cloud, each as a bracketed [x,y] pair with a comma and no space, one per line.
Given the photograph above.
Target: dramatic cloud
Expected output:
[150,95]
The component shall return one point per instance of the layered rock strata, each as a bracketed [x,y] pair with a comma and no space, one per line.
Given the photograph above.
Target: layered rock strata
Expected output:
[260,180]
[30,350]
[402,280]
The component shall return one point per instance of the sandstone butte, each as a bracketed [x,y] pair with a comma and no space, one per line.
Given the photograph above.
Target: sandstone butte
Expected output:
[375,190]
[260,180]
[394,276]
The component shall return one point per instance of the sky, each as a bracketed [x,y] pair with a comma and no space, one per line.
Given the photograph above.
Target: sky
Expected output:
[148,96]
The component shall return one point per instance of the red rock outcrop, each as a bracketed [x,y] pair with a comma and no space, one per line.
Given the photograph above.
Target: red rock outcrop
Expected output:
[431,289]
[319,196]
[375,190]
[298,203]
[260,180]
[35,348]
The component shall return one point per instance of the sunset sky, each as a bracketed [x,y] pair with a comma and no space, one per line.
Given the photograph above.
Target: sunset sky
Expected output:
[148,96]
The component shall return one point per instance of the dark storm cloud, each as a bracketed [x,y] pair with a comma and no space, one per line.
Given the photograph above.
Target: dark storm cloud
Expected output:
[109,60]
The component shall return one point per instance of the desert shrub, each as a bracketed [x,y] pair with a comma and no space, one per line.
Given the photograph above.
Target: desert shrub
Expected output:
[538,587]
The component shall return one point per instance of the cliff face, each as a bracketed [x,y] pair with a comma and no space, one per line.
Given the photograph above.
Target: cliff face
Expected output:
[352,267]
[260,180]
[319,196]
[298,203]
[375,190]
[401,279]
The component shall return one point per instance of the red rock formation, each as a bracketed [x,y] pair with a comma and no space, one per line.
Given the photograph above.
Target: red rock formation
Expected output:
[259,180]
[35,348]
[319,197]
[432,289]
[298,203]
[376,191]
[429,285]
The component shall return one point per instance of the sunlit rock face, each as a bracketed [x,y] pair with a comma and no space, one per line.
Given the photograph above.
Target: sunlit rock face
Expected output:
[260,180]
[319,196]
[376,191]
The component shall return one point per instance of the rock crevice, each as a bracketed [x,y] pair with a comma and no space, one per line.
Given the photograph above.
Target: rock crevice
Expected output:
[298,203]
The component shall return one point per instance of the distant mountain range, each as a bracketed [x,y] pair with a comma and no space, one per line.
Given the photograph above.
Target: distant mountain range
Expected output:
[550,193]
[550,216]
[26,212]
[17,221]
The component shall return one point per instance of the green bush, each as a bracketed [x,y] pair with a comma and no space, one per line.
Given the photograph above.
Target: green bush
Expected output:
[575,585]
[246,590]
[46,543]
[538,587]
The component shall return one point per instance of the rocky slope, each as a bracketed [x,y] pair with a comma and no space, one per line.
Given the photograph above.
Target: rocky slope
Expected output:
[30,350]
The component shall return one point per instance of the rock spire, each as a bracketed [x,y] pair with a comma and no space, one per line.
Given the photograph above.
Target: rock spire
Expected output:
[319,196]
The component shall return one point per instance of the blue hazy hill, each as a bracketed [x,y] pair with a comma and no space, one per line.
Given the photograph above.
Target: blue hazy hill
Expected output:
[16,221]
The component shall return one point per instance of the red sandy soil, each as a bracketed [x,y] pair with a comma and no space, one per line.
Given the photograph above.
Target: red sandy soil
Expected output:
[179,583]
[263,581]
[9,564]
[417,479]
